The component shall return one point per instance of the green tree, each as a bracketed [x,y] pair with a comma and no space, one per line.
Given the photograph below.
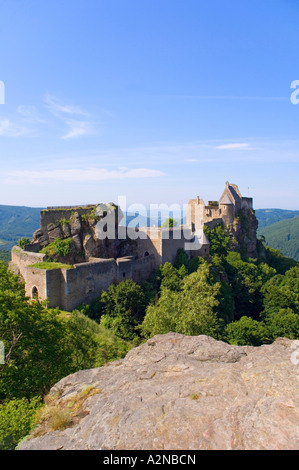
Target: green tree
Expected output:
[281,292]
[219,240]
[16,421]
[246,279]
[247,331]
[284,323]
[169,222]
[44,345]
[34,339]
[278,261]
[182,261]
[90,345]
[23,241]
[162,317]
[123,307]
[190,311]
[170,277]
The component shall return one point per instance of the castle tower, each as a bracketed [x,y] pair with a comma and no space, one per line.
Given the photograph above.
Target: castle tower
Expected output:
[195,216]
[227,210]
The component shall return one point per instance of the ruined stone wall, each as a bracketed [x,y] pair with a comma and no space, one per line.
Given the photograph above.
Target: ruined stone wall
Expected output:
[84,282]
[41,282]
[143,267]
[21,258]
[173,239]
[52,215]
[214,222]
[211,213]
[55,287]
[69,288]
[247,203]
[195,214]
[149,242]
[35,282]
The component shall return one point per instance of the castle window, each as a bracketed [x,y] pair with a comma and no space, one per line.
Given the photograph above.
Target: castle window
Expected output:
[34,293]
[124,274]
[146,253]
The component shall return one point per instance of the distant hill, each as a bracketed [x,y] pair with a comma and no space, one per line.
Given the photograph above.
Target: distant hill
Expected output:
[270,216]
[283,236]
[17,222]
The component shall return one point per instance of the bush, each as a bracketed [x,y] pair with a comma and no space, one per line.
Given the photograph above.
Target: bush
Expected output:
[16,420]
[123,307]
[58,248]
[284,323]
[247,331]
[23,241]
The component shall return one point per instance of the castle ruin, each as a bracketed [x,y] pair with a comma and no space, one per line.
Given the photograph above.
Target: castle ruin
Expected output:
[88,250]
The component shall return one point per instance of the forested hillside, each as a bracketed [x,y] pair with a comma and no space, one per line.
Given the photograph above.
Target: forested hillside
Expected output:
[271,216]
[283,236]
[17,222]
[5,256]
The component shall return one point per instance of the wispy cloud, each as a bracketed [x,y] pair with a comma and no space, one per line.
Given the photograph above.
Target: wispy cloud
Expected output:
[77,129]
[79,175]
[12,129]
[68,115]
[234,146]
[30,114]
[56,107]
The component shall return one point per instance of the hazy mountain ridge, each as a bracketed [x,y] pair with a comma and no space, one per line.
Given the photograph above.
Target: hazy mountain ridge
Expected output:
[268,217]
[17,222]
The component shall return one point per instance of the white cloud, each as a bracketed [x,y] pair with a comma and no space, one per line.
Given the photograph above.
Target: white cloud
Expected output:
[11,129]
[30,114]
[67,114]
[56,107]
[77,129]
[79,175]
[233,146]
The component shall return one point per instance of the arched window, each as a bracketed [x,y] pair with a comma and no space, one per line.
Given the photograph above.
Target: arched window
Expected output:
[146,253]
[34,292]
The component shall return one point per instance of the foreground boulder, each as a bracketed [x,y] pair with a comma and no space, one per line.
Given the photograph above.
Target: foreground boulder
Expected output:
[180,392]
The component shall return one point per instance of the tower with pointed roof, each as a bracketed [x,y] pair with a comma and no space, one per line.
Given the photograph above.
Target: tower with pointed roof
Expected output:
[223,211]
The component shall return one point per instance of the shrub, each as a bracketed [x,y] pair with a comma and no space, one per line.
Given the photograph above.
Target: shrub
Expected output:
[58,248]
[23,241]
[16,420]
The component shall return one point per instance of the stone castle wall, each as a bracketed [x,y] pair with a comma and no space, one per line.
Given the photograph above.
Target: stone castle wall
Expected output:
[53,214]
[33,277]
[83,283]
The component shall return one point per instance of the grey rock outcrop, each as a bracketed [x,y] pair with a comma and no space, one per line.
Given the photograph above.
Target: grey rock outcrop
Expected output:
[181,392]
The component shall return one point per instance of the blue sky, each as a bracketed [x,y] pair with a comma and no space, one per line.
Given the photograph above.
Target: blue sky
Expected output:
[155,100]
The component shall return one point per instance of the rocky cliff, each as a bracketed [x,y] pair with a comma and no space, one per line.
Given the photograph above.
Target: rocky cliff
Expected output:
[179,392]
[75,235]
[243,231]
